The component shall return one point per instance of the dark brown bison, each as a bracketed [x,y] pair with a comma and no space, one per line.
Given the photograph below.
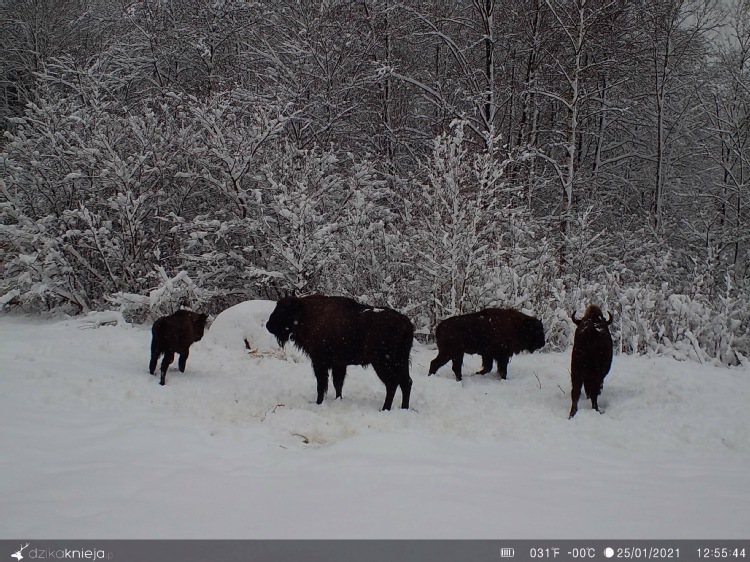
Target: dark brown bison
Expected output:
[493,333]
[337,331]
[591,357]
[175,334]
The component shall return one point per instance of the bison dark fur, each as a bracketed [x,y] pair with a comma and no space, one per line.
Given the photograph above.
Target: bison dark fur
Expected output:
[494,333]
[591,358]
[175,334]
[337,331]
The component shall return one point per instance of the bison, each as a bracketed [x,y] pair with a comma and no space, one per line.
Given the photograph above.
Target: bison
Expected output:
[175,334]
[493,333]
[591,357]
[338,331]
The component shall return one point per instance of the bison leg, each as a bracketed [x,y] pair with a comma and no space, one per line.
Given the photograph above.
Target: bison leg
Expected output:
[390,392]
[321,375]
[458,360]
[595,404]
[502,366]
[338,373]
[438,362]
[182,362]
[387,374]
[573,410]
[394,377]
[486,365]
[575,395]
[154,359]
[405,385]
[593,389]
[165,363]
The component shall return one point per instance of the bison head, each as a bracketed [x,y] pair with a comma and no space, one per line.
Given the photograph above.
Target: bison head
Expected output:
[284,318]
[199,325]
[593,316]
[535,334]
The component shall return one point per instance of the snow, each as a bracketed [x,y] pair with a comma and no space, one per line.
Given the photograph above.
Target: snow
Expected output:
[245,324]
[92,447]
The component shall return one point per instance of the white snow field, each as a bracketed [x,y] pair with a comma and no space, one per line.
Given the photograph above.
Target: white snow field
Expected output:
[92,447]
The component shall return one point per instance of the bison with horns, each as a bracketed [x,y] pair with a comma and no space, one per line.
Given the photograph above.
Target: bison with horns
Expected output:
[494,333]
[175,334]
[337,331]
[591,357]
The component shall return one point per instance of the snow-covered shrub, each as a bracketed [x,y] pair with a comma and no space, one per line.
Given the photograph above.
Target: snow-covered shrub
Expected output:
[369,239]
[82,181]
[306,195]
[172,294]
[149,203]
[456,223]
[98,195]
[658,319]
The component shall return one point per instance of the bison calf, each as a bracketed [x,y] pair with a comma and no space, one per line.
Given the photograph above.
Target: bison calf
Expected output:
[591,357]
[175,334]
[494,333]
[337,331]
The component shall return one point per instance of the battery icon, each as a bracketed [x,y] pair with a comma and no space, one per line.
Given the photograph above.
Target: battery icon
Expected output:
[507,553]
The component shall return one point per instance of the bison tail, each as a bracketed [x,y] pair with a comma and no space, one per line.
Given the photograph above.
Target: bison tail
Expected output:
[406,339]
[157,339]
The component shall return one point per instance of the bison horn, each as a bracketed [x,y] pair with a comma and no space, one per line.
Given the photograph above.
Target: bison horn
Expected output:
[609,320]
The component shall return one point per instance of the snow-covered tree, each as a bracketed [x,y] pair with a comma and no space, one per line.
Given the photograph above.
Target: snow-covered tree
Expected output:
[457,219]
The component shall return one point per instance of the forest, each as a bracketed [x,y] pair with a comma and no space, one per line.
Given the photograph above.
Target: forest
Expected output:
[434,156]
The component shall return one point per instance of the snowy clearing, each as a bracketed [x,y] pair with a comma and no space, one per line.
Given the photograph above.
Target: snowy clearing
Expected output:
[92,447]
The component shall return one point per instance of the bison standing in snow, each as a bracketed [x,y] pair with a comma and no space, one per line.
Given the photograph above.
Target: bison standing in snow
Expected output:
[175,334]
[591,357]
[494,333]
[337,331]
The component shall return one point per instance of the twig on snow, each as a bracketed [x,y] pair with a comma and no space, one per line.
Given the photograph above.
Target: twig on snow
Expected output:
[272,410]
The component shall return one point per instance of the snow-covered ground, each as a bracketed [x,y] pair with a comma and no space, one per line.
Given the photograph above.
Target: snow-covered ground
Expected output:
[92,447]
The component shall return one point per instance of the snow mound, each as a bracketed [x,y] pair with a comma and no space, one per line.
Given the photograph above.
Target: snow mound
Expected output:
[243,326]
